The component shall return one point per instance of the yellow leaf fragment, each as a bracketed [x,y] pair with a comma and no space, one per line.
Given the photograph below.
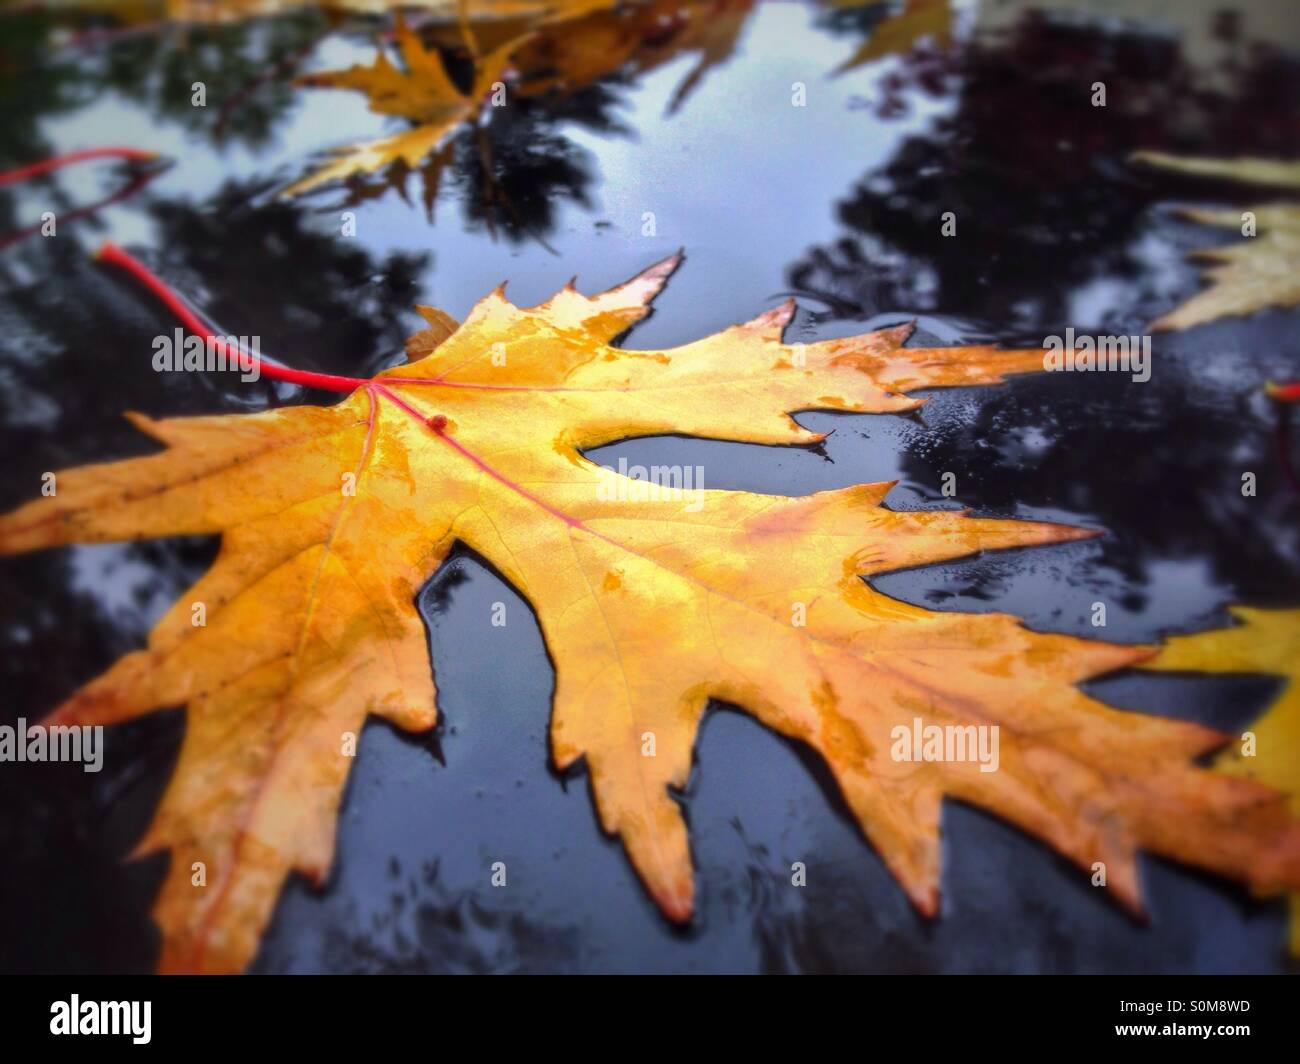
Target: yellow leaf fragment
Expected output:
[1263,270]
[1274,173]
[1268,642]
[440,326]
[918,20]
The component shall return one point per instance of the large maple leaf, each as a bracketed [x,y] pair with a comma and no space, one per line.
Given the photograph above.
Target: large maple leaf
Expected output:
[332,519]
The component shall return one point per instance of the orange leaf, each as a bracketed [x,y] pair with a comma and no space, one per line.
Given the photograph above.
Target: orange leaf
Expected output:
[652,598]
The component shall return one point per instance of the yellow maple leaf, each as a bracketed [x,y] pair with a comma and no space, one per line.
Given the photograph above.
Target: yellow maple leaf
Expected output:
[1264,641]
[653,599]
[422,92]
[574,45]
[1264,271]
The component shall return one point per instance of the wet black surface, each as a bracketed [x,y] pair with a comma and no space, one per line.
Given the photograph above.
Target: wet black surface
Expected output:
[838,203]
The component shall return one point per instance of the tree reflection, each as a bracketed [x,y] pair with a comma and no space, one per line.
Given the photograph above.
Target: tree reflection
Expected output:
[1034,175]
[244,67]
[318,300]
[512,174]
[1054,229]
